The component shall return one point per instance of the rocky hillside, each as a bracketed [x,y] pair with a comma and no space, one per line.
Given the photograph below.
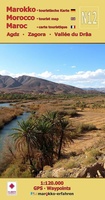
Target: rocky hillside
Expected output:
[8,82]
[36,85]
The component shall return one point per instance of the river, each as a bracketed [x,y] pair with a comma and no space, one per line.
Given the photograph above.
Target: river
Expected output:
[8,128]
[7,104]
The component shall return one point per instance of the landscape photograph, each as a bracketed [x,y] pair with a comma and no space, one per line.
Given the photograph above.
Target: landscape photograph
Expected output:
[52,110]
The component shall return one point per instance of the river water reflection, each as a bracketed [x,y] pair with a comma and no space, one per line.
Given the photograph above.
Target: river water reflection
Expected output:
[8,129]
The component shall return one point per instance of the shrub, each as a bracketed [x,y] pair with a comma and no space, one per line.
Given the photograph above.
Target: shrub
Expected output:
[11,172]
[73,113]
[82,128]
[92,156]
[90,160]
[14,171]
[62,113]
[71,164]
[95,153]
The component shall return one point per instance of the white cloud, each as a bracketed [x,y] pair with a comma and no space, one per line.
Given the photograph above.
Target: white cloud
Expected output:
[45,74]
[73,67]
[80,79]
[4,72]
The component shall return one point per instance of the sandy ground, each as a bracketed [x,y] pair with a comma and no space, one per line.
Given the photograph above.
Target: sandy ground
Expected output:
[92,138]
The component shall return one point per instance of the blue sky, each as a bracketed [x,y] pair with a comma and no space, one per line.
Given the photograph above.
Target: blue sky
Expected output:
[81,65]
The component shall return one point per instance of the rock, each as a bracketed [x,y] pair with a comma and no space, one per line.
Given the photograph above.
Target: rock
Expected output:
[57,172]
[94,171]
[82,173]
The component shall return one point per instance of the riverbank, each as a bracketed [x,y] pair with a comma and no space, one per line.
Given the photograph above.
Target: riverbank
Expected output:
[8,114]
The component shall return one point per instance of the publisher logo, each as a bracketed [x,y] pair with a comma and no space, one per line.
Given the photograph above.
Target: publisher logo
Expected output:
[11,188]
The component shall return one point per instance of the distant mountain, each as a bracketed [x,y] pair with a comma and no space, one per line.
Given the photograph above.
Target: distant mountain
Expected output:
[8,82]
[102,90]
[43,86]
[36,85]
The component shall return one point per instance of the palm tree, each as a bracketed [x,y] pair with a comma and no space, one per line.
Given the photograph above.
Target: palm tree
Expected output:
[62,125]
[44,144]
[53,128]
[46,134]
[58,132]
[24,137]
[52,117]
